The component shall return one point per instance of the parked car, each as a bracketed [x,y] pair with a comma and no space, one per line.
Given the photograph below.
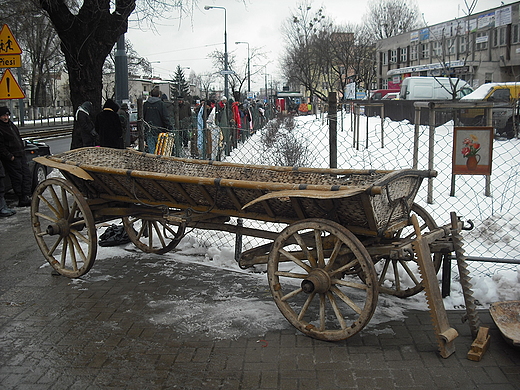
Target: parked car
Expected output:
[433,88]
[379,94]
[391,96]
[39,172]
[505,95]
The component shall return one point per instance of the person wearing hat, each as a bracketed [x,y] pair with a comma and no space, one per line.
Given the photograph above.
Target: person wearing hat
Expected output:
[108,126]
[12,153]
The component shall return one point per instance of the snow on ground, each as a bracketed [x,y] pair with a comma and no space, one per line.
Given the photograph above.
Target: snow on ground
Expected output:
[236,313]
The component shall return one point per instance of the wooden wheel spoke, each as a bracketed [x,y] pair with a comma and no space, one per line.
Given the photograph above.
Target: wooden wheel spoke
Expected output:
[46,217]
[291,274]
[396,276]
[57,202]
[77,248]
[159,233]
[410,273]
[323,312]
[382,277]
[80,235]
[306,305]
[65,202]
[334,254]
[292,294]
[54,246]
[319,248]
[73,254]
[308,255]
[295,260]
[341,295]
[359,286]
[345,267]
[49,205]
[337,311]
[64,252]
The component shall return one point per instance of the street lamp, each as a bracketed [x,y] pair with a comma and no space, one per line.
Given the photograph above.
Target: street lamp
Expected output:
[265,80]
[248,66]
[226,92]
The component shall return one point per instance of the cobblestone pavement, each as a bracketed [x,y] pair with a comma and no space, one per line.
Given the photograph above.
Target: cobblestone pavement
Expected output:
[120,327]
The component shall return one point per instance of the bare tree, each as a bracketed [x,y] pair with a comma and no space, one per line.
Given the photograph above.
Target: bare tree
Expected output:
[89,29]
[305,62]
[387,18]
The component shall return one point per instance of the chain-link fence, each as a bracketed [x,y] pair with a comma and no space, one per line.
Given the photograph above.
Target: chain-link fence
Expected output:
[369,142]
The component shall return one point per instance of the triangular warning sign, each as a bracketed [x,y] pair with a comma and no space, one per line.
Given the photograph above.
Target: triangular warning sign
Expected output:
[9,88]
[8,44]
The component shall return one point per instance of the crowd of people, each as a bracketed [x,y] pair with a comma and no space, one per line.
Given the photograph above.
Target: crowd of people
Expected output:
[206,129]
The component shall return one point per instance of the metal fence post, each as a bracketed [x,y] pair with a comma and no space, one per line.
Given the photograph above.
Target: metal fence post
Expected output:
[333,130]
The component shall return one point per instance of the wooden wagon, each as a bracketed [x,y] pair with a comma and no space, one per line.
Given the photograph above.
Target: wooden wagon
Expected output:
[347,234]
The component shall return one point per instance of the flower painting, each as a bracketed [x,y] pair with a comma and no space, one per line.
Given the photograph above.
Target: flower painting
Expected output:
[472,148]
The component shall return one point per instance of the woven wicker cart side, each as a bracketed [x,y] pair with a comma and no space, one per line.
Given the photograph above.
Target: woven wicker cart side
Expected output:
[344,196]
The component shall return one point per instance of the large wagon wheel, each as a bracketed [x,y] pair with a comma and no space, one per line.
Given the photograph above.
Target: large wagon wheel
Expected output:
[401,277]
[313,270]
[64,227]
[153,235]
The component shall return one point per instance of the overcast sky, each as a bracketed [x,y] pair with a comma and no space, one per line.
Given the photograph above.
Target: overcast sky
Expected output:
[188,42]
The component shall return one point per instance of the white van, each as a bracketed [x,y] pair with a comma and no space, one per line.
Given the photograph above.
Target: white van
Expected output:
[433,88]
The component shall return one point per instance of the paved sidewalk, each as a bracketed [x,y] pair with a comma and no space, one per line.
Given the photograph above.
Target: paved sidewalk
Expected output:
[121,327]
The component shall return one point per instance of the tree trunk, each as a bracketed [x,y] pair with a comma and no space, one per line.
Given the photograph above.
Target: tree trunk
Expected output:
[86,40]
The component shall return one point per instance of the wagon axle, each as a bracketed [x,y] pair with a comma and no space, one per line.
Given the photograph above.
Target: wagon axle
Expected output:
[318,281]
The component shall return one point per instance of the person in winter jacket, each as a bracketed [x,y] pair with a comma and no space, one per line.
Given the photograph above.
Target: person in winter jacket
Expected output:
[4,210]
[155,116]
[108,126]
[84,133]
[184,120]
[12,153]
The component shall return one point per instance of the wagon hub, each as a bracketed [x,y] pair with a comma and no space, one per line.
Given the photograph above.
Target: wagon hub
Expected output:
[61,227]
[318,281]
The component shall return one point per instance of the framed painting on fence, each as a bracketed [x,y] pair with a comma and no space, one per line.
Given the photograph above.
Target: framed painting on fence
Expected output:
[472,150]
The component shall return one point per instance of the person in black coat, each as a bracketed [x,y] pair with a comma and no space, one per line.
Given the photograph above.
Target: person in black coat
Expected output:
[83,133]
[108,126]
[12,153]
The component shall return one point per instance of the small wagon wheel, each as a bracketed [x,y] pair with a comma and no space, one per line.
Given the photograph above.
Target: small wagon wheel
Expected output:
[402,276]
[64,227]
[314,272]
[153,235]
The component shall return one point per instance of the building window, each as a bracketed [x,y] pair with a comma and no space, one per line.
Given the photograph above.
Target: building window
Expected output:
[501,36]
[450,46]
[436,48]
[488,78]
[514,34]
[384,58]
[393,56]
[404,54]
[481,41]
[413,53]
[425,50]
[462,44]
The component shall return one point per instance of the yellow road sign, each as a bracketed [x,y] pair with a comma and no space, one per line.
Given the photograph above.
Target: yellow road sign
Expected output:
[7,61]
[8,44]
[9,88]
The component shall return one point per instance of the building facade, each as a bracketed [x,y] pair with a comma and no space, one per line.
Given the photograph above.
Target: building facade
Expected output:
[480,48]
